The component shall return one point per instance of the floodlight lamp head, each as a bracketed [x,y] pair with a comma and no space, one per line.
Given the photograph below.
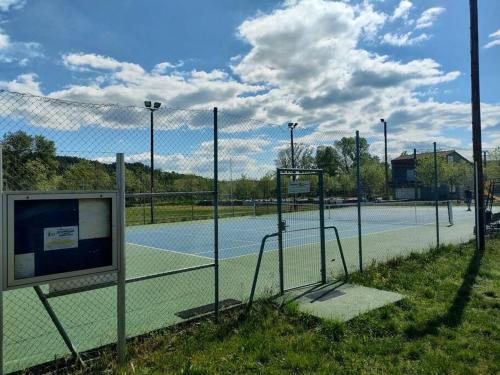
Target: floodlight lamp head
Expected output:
[292,125]
[382,120]
[147,104]
[157,105]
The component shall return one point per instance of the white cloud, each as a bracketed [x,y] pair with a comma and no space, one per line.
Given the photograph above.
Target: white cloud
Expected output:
[402,10]
[20,52]
[428,17]
[496,39]
[304,63]
[5,5]
[406,39]
[25,83]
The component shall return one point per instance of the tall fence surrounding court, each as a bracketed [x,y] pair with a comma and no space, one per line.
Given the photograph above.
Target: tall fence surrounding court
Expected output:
[181,167]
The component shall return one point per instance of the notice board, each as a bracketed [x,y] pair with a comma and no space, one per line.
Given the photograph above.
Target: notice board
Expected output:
[56,236]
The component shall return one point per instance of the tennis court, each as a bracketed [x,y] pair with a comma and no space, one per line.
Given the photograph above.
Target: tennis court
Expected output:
[90,317]
[242,235]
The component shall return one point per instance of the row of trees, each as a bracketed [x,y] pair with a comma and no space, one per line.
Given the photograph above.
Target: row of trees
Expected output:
[31,163]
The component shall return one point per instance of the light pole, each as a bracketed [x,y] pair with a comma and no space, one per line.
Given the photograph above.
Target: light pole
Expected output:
[153,108]
[385,160]
[291,126]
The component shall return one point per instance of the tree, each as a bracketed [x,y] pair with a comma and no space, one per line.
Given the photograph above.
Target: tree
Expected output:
[425,170]
[372,177]
[347,149]
[303,155]
[86,175]
[492,167]
[30,161]
[328,159]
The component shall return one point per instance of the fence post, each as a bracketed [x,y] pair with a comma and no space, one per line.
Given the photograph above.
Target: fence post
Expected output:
[322,226]
[120,288]
[216,217]
[358,190]
[1,267]
[436,194]
[280,232]
[415,166]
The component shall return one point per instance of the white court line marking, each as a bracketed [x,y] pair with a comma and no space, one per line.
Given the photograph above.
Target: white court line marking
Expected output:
[171,251]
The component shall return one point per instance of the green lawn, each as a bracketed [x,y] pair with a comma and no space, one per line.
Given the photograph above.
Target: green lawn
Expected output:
[449,322]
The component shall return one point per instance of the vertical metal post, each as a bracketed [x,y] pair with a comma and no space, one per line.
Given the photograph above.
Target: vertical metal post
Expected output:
[1,266]
[476,125]
[322,226]
[152,172]
[485,160]
[231,183]
[386,166]
[120,288]
[436,194]
[216,215]
[415,167]
[280,231]
[358,189]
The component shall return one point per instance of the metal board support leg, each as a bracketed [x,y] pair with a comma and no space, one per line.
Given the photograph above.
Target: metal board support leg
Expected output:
[58,324]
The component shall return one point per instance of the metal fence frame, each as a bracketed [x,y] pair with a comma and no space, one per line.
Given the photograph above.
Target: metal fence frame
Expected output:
[214,195]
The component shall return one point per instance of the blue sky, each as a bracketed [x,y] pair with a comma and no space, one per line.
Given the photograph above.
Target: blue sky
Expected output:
[332,66]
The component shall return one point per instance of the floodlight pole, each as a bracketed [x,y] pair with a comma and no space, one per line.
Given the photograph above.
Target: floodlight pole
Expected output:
[476,126]
[152,171]
[151,109]
[386,165]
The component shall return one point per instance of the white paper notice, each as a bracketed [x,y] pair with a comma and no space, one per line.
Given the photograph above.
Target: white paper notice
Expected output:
[24,265]
[60,238]
[94,218]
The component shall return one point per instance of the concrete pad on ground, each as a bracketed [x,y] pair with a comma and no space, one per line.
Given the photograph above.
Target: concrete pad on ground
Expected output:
[339,301]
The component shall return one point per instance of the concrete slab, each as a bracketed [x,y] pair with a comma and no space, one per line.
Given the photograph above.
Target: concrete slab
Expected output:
[340,301]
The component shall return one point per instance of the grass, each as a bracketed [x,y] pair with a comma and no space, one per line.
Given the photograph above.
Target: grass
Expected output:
[449,322]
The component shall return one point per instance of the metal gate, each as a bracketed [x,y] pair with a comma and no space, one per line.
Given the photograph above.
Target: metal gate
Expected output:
[301,227]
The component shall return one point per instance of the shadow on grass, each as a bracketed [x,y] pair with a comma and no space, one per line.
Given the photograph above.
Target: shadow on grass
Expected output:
[455,313]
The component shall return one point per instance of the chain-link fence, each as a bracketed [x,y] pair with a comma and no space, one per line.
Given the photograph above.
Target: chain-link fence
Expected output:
[180,258]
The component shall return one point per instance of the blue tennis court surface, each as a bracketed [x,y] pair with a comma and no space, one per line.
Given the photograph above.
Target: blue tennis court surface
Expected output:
[241,236]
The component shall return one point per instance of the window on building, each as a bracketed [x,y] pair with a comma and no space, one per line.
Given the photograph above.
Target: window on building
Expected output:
[410,175]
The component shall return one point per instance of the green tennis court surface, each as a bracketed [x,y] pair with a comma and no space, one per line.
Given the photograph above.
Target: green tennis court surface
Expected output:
[90,317]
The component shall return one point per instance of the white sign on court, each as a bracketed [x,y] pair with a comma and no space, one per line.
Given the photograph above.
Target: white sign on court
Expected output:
[299,187]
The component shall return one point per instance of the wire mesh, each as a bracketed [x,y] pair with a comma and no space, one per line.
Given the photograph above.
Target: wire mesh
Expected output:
[52,145]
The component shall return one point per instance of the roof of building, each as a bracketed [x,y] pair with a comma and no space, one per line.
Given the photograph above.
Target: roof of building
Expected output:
[409,156]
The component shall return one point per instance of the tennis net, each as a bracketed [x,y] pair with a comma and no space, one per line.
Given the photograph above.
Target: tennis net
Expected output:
[394,212]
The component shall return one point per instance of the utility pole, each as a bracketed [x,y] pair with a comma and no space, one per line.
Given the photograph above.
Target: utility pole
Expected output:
[476,126]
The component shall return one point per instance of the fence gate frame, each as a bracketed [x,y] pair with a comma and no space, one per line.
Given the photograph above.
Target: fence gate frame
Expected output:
[293,172]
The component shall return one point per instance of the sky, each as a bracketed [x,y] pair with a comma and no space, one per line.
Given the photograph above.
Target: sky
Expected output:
[332,66]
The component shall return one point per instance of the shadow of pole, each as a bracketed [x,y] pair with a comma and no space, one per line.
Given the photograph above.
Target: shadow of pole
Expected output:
[454,315]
